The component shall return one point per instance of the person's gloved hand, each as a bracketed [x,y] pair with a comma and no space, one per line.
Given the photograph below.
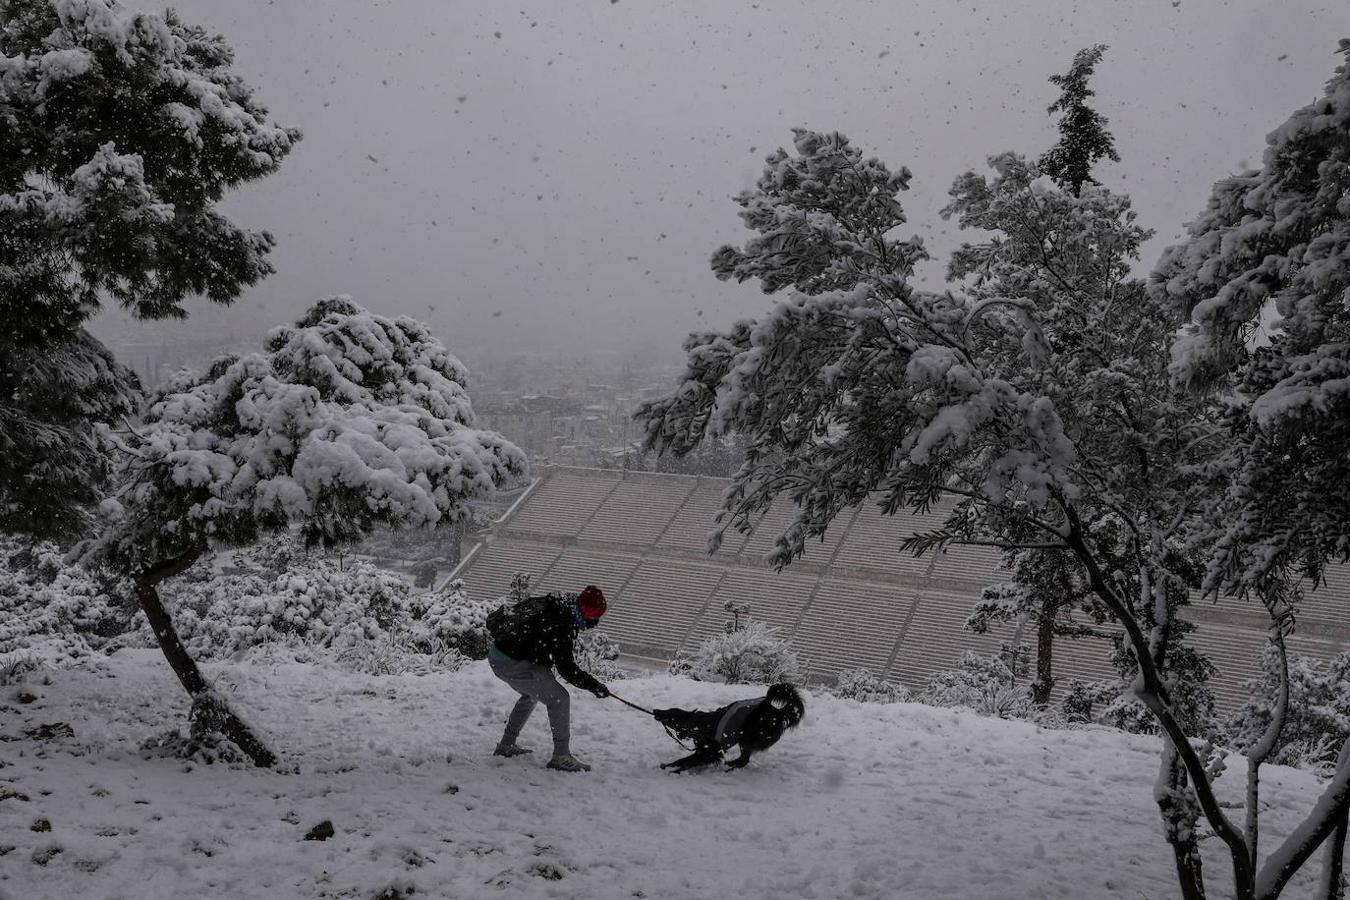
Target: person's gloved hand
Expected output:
[601,691]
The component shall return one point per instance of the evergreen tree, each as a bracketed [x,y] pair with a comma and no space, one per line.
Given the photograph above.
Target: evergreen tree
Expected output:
[1083,138]
[1276,239]
[119,133]
[1038,397]
[347,421]
[52,466]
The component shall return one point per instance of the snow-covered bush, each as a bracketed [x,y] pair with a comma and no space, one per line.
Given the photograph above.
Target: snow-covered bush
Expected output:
[1086,701]
[1317,722]
[275,553]
[985,684]
[754,654]
[399,653]
[598,653]
[17,664]
[279,604]
[50,612]
[866,686]
[1128,714]
[450,617]
[315,603]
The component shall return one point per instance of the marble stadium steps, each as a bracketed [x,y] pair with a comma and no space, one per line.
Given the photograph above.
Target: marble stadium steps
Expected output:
[853,624]
[839,602]
[660,603]
[1234,651]
[873,542]
[688,529]
[577,567]
[935,638]
[490,571]
[636,512]
[559,505]
[777,602]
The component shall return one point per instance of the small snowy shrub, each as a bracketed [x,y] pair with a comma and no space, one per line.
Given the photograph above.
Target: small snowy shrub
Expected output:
[753,655]
[985,684]
[398,653]
[1318,719]
[1085,701]
[52,612]
[1128,714]
[598,653]
[14,666]
[449,617]
[866,686]
[273,554]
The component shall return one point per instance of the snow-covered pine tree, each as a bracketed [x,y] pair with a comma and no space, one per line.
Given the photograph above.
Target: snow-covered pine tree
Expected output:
[347,420]
[1130,495]
[52,466]
[1083,138]
[1047,586]
[1277,240]
[119,133]
[1038,398]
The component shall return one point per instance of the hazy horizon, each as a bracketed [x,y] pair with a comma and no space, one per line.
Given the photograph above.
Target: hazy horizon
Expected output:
[529,179]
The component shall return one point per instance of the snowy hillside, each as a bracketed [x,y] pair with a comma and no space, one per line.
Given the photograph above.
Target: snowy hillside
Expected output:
[884,801]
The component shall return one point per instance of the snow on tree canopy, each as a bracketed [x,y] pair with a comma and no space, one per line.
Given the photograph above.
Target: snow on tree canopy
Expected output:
[1281,234]
[347,419]
[855,384]
[1277,238]
[119,132]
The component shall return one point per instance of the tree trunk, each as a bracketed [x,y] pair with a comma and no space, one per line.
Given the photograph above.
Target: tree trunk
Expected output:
[183,664]
[1333,873]
[1152,692]
[1180,815]
[1045,645]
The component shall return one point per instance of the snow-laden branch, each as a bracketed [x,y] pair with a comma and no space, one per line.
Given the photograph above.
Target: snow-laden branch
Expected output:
[1260,751]
[1290,856]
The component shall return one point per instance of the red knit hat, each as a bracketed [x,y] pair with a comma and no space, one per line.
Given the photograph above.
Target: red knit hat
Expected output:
[591,602]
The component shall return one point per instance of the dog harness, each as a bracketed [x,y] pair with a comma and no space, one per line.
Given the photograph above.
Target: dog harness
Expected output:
[733,721]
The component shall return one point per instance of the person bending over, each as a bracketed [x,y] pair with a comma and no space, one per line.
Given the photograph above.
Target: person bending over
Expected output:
[530,639]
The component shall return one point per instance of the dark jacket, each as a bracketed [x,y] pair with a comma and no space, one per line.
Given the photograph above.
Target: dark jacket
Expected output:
[546,639]
[732,722]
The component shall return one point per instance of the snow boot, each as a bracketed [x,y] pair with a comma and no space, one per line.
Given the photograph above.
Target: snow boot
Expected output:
[511,750]
[568,763]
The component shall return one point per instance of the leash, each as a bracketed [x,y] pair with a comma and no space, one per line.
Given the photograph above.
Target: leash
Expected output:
[673,736]
[633,705]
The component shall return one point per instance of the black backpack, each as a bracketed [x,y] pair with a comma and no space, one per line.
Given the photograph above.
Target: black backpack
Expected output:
[509,620]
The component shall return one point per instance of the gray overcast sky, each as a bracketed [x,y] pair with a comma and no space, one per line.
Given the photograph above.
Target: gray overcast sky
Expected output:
[546,174]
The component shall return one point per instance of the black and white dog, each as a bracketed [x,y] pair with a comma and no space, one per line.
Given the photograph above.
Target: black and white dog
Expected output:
[753,725]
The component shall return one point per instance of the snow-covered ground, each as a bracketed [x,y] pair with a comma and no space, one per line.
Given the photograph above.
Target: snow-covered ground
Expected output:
[895,801]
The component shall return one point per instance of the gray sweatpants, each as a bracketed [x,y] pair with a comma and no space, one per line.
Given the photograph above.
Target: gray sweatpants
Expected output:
[536,685]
